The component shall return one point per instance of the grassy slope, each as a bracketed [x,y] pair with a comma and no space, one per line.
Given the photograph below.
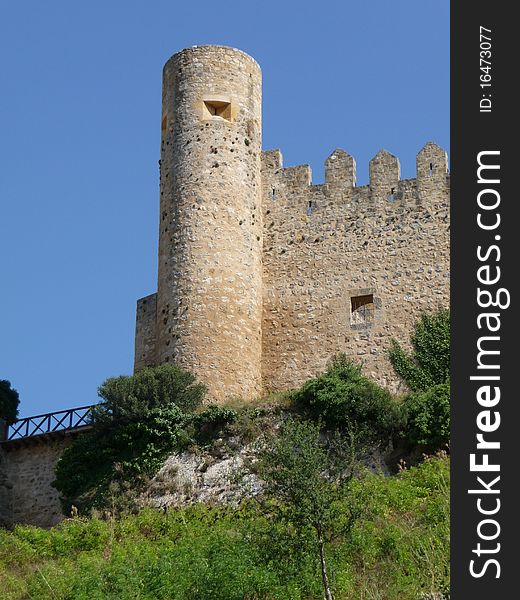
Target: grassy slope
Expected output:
[398,548]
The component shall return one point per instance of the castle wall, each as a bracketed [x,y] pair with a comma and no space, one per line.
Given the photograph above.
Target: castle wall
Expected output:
[326,244]
[210,242]
[26,474]
[145,332]
[6,492]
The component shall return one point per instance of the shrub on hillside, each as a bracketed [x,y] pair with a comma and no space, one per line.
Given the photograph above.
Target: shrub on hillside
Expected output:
[142,419]
[211,421]
[397,549]
[428,416]
[128,397]
[98,463]
[426,371]
[343,397]
[429,362]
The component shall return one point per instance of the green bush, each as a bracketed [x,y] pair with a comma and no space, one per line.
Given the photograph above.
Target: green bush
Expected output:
[9,402]
[206,424]
[99,464]
[429,362]
[142,419]
[426,371]
[428,416]
[128,397]
[343,397]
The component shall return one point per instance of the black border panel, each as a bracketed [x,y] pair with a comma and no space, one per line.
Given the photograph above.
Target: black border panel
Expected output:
[484,123]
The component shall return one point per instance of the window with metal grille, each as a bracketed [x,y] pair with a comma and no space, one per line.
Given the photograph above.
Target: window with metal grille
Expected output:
[362,309]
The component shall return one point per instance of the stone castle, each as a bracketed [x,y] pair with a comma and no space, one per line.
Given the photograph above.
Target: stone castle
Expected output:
[263,276]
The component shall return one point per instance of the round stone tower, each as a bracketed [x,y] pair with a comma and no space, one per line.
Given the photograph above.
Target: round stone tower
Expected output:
[209,298]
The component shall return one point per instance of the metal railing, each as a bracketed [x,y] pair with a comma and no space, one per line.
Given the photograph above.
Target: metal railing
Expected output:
[62,420]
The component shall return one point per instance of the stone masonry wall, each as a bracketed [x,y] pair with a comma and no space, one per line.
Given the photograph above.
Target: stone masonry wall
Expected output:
[26,474]
[146,332]
[209,310]
[6,492]
[324,244]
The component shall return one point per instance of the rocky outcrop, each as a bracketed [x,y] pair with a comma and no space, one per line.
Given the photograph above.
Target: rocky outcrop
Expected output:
[219,475]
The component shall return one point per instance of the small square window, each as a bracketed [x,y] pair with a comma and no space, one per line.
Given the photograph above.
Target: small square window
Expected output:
[217,108]
[362,309]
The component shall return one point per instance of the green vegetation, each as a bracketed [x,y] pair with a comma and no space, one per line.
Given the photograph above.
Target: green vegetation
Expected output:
[428,416]
[323,526]
[429,362]
[142,419]
[396,546]
[343,397]
[155,412]
[426,371]
[127,398]
[306,477]
[9,402]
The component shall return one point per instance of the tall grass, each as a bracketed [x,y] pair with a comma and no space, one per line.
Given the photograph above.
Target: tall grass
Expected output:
[397,548]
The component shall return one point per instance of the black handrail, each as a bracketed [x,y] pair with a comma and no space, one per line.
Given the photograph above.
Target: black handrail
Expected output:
[61,420]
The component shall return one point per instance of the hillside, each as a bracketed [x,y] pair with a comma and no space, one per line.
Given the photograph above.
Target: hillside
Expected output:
[397,547]
[301,495]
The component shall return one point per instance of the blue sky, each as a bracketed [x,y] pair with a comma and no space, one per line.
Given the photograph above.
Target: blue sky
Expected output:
[80,102]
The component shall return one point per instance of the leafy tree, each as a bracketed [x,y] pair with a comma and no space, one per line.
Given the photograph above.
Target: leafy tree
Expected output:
[9,401]
[305,479]
[343,397]
[142,418]
[429,362]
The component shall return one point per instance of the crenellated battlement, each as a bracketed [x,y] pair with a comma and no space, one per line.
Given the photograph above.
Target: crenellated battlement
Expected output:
[385,185]
[288,192]
[340,169]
